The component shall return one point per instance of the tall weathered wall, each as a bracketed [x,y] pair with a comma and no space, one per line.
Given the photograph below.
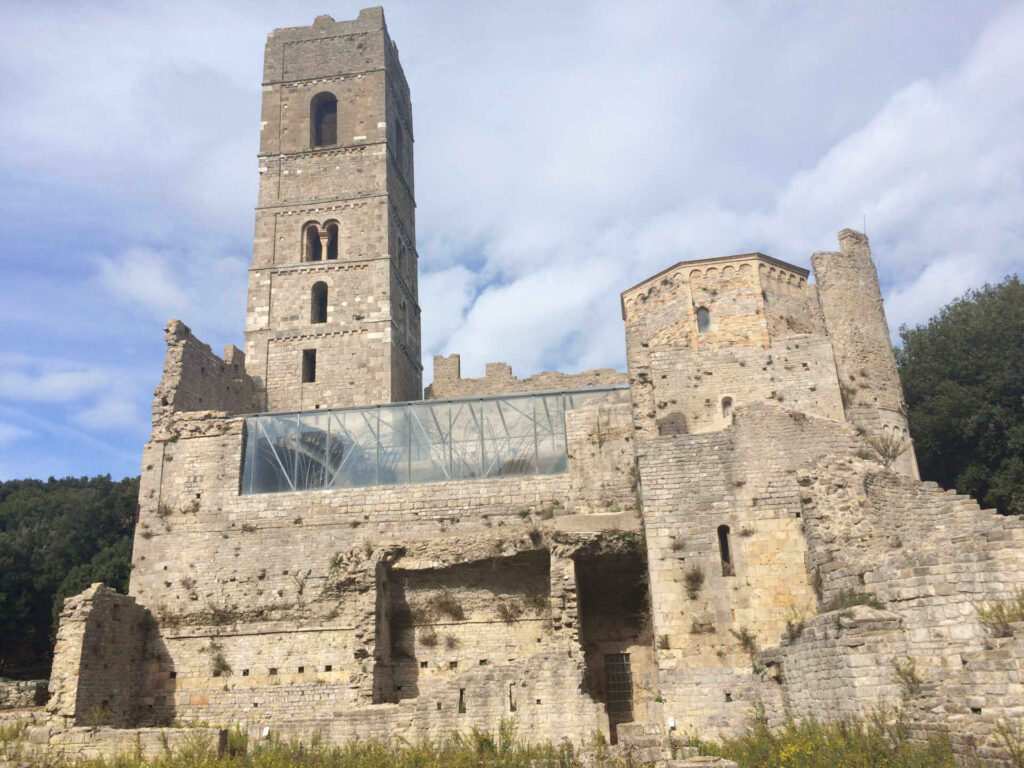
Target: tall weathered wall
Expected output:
[195,379]
[710,608]
[498,380]
[851,302]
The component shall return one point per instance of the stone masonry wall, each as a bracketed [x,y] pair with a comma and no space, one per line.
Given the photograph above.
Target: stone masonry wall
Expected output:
[930,557]
[195,379]
[98,658]
[251,618]
[851,302]
[498,380]
[742,477]
[759,308]
[698,392]
[19,694]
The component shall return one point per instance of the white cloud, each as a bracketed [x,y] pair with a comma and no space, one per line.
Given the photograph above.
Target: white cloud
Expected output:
[144,277]
[9,433]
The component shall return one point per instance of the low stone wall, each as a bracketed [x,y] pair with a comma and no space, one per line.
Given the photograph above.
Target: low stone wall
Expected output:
[498,380]
[20,694]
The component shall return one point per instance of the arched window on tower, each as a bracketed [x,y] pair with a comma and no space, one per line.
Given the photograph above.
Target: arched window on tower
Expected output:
[723,549]
[323,120]
[318,303]
[311,250]
[727,408]
[332,240]
[703,319]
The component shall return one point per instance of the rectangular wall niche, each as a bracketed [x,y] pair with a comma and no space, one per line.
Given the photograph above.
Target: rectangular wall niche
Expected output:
[614,630]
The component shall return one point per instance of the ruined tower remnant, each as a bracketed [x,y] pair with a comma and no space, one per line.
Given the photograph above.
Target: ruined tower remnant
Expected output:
[632,552]
[333,314]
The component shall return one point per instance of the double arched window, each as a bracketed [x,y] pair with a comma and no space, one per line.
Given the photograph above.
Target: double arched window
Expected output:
[323,120]
[313,241]
[318,303]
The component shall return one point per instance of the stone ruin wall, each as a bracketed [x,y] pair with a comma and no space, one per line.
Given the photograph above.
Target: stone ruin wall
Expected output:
[742,477]
[195,379]
[98,659]
[498,380]
[930,558]
[256,626]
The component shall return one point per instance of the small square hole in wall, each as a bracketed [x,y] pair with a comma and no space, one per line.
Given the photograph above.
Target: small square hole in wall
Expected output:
[453,665]
[423,665]
[538,701]
[273,670]
[245,673]
[439,705]
[975,710]
[483,662]
[328,667]
[728,696]
[254,704]
[173,675]
[302,670]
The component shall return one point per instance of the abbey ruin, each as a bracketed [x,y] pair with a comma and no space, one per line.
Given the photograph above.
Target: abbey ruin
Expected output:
[735,525]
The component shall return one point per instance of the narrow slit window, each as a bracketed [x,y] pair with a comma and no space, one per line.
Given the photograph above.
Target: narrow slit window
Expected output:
[318,303]
[313,249]
[725,552]
[332,240]
[323,118]
[462,701]
[308,366]
[703,319]
[726,407]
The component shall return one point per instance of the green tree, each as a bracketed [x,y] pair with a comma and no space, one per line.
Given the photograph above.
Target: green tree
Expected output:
[963,375]
[56,538]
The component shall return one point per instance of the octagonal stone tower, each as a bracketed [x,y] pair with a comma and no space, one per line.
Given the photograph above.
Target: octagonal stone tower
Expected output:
[333,316]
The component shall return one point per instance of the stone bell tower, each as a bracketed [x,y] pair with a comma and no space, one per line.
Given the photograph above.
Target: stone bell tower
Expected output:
[333,317]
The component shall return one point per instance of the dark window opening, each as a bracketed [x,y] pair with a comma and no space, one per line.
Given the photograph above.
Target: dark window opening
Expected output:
[323,116]
[332,240]
[313,249]
[727,407]
[723,548]
[328,668]
[511,697]
[462,701]
[273,670]
[308,366]
[703,319]
[318,303]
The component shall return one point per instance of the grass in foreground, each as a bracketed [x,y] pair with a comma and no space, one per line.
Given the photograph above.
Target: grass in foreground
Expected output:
[878,742]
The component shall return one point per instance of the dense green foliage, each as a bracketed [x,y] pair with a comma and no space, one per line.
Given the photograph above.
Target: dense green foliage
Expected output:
[879,741]
[56,538]
[963,375]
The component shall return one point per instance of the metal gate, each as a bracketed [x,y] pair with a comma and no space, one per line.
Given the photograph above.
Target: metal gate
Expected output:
[618,685]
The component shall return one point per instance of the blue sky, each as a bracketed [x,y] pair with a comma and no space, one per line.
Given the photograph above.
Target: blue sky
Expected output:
[564,151]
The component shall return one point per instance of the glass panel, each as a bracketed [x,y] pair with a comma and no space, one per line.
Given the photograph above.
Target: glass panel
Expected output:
[274,462]
[413,442]
[430,446]
[466,441]
[394,447]
[509,437]
[353,449]
[552,458]
[312,447]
